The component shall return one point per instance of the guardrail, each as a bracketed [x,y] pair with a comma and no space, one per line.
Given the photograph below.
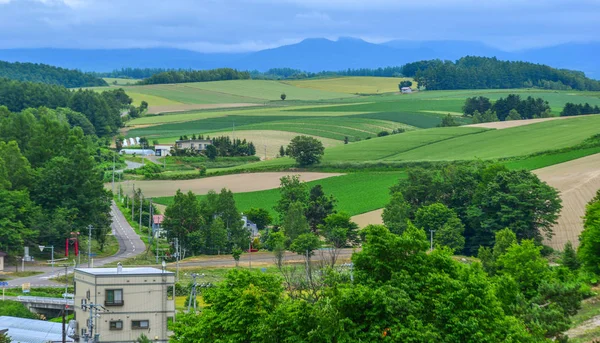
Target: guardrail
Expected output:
[45,300]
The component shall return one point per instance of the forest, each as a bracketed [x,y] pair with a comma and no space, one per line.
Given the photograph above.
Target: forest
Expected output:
[489,73]
[50,178]
[102,110]
[183,76]
[510,108]
[44,73]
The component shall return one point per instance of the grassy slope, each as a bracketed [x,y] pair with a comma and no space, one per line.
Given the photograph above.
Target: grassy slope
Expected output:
[352,85]
[515,141]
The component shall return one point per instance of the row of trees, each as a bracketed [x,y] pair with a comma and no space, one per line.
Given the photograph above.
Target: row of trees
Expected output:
[397,292]
[571,109]
[182,76]
[44,73]
[513,107]
[102,110]
[296,74]
[467,204]
[212,225]
[50,180]
[489,73]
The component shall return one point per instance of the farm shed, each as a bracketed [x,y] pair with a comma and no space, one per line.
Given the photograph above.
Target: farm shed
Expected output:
[406,90]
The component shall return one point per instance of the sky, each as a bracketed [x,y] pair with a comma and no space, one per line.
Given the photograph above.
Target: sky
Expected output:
[250,25]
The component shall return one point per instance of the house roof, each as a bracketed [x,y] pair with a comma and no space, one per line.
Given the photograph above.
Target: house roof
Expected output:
[158,218]
[124,271]
[32,330]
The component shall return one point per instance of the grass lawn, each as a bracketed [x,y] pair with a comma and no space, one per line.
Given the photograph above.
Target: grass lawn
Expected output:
[119,81]
[353,84]
[356,193]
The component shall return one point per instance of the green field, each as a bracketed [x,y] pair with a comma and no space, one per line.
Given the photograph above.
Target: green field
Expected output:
[356,193]
[353,84]
[338,127]
[119,81]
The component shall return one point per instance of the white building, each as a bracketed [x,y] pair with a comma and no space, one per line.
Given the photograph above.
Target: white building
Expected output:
[406,90]
[139,152]
[135,299]
[163,149]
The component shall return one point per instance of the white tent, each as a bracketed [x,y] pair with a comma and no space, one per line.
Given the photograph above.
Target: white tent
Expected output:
[137,139]
[125,142]
[131,141]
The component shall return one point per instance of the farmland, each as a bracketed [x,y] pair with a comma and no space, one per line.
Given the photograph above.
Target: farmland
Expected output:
[353,85]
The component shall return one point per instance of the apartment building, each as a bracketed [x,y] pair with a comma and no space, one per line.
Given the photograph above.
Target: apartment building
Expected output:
[123,303]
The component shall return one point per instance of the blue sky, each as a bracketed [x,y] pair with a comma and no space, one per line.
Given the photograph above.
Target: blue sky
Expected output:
[249,25]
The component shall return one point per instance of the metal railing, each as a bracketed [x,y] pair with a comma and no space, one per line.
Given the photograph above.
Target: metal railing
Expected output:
[45,300]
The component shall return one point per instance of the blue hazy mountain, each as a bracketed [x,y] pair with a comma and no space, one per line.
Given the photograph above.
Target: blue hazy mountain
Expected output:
[315,54]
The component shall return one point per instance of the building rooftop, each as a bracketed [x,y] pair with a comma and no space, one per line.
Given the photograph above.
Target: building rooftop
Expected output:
[31,330]
[158,218]
[124,271]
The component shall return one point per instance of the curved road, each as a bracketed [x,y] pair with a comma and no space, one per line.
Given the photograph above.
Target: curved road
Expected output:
[130,245]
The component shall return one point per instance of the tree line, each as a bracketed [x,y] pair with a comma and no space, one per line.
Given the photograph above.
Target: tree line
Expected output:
[102,110]
[394,291]
[513,107]
[48,74]
[222,146]
[572,109]
[182,76]
[50,178]
[472,72]
[468,204]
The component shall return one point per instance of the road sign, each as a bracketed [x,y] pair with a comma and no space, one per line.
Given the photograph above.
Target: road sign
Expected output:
[26,287]
[41,247]
[3,283]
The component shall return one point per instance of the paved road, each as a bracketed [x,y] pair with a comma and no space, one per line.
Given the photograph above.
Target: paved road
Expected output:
[130,245]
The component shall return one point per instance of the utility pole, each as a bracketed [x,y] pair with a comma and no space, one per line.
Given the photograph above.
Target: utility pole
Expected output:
[89,245]
[133,202]
[250,253]
[150,223]
[177,258]
[64,313]
[113,175]
[431,244]
[141,208]
[89,337]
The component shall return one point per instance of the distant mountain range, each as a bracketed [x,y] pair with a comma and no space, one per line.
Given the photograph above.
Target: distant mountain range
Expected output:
[312,55]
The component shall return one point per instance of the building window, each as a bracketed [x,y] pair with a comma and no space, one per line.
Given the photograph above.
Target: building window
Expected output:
[114,297]
[140,324]
[116,325]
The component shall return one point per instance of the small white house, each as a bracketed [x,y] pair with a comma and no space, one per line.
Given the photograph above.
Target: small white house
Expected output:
[406,90]
[132,142]
[163,149]
[250,226]
[125,142]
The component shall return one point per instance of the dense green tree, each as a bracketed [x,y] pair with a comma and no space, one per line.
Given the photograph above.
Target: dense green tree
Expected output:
[13,308]
[211,152]
[305,150]
[17,167]
[473,72]
[396,213]
[291,190]
[569,257]
[513,115]
[216,237]
[589,240]
[283,96]
[44,73]
[294,223]
[404,83]
[260,217]
[182,76]
[281,151]
[448,121]
[276,243]
[479,104]
[446,224]
[319,207]
[183,217]
[339,231]
[516,199]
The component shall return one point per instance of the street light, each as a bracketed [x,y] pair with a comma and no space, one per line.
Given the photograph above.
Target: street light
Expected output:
[431,247]
[42,247]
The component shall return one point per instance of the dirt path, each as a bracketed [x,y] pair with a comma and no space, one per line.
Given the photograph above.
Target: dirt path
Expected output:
[237,183]
[578,181]
[514,123]
[580,330]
